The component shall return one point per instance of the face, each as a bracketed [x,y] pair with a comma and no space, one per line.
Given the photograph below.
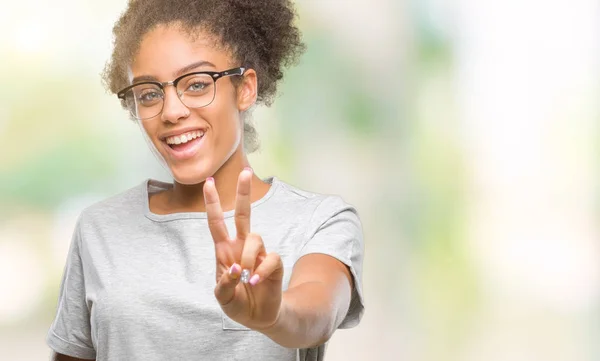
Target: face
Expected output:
[216,130]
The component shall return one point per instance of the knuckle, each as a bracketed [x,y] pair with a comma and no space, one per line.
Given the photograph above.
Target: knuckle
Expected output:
[242,211]
[214,222]
[255,237]
[217,292]
[221,292]
[220,299]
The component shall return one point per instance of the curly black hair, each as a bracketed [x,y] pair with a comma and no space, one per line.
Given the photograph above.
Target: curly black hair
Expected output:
[260,34]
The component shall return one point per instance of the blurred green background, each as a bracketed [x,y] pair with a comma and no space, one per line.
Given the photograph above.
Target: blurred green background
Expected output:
[465,132]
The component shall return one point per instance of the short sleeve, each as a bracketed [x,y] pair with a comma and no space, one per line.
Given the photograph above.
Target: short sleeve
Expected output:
[70,332]
[336,230]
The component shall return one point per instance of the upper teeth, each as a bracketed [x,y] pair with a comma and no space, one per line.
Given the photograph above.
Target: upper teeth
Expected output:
[185,137]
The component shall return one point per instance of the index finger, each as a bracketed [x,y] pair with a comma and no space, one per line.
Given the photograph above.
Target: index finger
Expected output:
[242,204]
[216,223]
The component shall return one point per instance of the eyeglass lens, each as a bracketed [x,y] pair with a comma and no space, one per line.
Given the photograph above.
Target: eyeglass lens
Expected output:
[147,100]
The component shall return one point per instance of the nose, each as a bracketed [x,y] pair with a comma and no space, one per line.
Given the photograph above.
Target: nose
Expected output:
[173,109]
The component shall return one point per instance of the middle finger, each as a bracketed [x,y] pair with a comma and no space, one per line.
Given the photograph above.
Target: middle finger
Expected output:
[242,204]
[254,249]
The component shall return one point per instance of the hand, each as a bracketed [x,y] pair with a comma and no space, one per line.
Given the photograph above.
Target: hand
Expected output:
[256,304]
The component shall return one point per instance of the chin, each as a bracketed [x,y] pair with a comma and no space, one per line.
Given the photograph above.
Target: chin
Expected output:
[188,176]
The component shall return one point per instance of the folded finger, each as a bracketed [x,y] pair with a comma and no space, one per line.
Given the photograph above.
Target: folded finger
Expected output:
[225,288]
[271,267]
[253,248]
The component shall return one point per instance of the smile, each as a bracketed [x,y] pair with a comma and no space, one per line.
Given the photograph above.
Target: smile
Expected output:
[184,146]
[185,137]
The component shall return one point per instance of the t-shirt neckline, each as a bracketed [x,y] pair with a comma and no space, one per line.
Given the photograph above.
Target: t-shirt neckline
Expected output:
[156,184]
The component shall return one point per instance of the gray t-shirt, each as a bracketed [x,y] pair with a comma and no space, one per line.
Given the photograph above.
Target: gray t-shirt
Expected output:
[140,286]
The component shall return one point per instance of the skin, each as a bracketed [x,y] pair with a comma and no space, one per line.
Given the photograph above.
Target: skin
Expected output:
[218,179]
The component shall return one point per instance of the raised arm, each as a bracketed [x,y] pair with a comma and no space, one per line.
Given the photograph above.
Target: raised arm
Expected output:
[321,289]
[315,303]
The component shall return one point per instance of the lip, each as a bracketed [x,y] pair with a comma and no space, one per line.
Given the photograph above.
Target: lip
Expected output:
[164,136]
[187,153]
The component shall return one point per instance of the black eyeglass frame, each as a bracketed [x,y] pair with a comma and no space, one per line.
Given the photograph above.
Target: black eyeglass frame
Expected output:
[215,75]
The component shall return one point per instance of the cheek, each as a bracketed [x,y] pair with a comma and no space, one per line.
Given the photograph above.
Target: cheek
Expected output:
[149,132]
[145,127]
[228,134]
[150,129]
[226,126]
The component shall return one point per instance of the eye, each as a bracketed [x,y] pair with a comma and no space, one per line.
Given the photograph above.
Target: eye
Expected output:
[149,96]
[197,86]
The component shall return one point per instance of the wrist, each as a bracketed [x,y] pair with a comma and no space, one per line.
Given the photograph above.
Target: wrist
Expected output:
[278,325]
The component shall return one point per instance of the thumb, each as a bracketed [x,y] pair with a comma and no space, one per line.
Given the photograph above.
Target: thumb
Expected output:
[225,289]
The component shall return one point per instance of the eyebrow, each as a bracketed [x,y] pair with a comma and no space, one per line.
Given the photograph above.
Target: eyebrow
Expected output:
[178,73]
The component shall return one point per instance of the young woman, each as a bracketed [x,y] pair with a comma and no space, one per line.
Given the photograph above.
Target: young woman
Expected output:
[220,264]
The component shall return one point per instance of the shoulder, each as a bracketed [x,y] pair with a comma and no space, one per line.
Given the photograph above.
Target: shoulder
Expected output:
[287,192]
[120,206]
[321,206]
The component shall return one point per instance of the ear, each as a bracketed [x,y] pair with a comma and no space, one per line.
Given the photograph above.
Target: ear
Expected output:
[247,90]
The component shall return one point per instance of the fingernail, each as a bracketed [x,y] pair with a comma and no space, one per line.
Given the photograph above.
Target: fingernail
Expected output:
[210,179]
[254,280]
[245,275]
[249,169]
[234,270]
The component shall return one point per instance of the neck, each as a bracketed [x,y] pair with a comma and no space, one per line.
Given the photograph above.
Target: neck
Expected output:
[191,196]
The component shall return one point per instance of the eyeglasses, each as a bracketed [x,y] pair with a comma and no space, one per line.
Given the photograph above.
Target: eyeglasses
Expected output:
[145,100]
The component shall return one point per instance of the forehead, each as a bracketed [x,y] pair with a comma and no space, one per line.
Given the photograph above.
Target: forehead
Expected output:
[166,49]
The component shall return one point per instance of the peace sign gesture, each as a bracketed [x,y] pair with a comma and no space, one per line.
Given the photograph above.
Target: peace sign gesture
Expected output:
[256,301]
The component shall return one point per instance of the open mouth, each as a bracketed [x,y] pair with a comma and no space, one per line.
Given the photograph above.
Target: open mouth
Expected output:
[185,145]
[185,140]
